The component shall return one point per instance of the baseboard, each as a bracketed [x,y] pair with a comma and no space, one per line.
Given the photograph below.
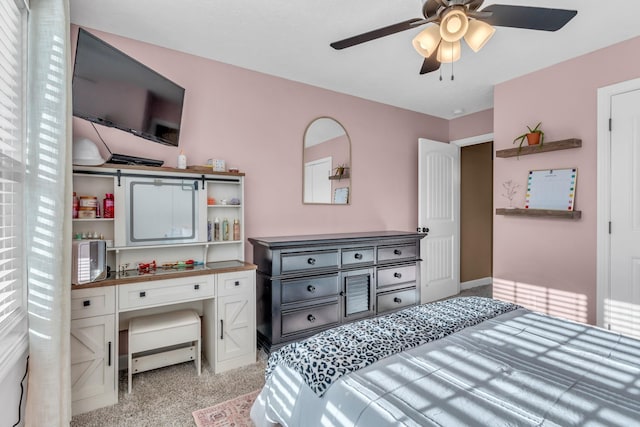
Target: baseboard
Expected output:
[475,283]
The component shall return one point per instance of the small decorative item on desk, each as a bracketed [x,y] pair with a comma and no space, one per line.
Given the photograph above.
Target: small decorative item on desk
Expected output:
[510,191]
[217,165]
[234,170]
[147,267]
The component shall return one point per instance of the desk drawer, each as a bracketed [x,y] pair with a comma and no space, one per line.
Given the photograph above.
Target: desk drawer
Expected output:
[163,292]
[92,302]
[313,317]
[394,275]
[242,282]
[357,256]
[396,252]
[396,300]
[309,288]
[302,261]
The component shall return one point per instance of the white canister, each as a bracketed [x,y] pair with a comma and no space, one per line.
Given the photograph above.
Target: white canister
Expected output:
[182,161]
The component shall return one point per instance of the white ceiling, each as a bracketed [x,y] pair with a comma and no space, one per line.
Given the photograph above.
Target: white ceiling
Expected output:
[290,39]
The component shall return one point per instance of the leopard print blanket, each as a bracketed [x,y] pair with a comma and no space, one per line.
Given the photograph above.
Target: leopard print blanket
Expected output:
[328,355]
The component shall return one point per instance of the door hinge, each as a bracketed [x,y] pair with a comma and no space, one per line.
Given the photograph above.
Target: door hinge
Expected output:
[609,124]
[609,227]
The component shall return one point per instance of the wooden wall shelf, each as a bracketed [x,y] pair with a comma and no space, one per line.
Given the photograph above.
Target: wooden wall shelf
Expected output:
[540,213]
[564,144]
[339,177]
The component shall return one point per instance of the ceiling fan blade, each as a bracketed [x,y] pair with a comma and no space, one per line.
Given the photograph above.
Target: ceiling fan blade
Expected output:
[532,18]
[430,64]
[380,32]
[474,4]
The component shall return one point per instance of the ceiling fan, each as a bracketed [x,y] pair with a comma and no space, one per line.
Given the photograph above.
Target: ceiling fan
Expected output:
[455,19]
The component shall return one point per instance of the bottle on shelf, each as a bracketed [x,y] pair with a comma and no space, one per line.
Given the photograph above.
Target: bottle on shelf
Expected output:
[108,206]
[209,230]
[216,230]
[76,205]
[225,229]
[236,229]
[182,160]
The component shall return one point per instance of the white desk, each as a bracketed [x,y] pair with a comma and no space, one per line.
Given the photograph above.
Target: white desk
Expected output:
[223,293]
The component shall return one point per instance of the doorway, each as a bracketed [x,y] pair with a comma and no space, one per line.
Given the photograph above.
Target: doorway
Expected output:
[618,227]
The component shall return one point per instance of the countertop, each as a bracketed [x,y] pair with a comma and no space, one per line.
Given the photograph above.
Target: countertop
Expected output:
[134,276]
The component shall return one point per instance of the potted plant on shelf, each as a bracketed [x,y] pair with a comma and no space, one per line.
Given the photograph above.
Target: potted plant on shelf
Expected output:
[341,171]
[534,136]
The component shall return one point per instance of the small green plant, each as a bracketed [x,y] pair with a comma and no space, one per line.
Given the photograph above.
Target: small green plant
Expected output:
[520,139]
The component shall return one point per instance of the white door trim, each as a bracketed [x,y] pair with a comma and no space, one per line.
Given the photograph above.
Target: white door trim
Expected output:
[603,240]
[473,140]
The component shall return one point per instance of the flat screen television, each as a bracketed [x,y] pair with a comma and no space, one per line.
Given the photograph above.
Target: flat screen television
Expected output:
[113,89]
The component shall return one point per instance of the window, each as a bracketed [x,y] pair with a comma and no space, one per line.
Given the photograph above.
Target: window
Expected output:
[13,339]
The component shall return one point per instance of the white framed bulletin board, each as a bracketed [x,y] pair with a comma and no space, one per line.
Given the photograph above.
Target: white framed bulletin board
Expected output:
[553,189]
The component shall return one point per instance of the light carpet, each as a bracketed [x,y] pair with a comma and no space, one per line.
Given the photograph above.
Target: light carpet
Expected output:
[232,413]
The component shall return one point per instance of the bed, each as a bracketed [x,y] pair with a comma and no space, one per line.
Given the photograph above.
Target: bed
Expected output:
[463,362]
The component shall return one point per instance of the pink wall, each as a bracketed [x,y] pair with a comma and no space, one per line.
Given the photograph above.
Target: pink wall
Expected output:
[474,124]
[550,264]
[256,122]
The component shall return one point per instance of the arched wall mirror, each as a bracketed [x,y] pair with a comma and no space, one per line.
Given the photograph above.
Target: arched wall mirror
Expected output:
[326,163]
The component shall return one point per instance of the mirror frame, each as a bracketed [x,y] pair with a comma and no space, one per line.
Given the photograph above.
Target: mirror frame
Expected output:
[350,163]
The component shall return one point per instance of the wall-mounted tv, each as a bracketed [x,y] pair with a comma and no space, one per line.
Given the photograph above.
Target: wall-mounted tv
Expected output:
[113,89]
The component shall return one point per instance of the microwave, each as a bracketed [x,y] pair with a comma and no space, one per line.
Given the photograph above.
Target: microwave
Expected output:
[88,261]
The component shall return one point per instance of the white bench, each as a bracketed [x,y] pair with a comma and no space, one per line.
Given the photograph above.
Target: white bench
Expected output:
[155,341]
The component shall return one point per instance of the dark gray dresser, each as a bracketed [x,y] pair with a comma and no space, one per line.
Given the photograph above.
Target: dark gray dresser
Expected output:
[306,284]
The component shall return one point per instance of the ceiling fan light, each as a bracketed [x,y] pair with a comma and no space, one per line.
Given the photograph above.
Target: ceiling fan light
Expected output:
[454,24]
[426,42]
[478,34]
[448,52]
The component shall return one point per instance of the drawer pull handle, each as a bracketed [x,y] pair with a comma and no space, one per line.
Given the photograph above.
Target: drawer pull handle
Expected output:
[237,283]
[397,252]
[109,352]
[221,329]
[311,261]
[311,318]
[397,275]
[196,287]
[311,288]
[397,300]
[358,256]
[86,303]
[143,294]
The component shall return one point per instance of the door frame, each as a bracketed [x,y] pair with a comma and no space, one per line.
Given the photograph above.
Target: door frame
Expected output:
[603,190]
[465,142]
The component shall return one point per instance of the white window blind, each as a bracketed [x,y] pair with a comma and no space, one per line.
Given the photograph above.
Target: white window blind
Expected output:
[12,172]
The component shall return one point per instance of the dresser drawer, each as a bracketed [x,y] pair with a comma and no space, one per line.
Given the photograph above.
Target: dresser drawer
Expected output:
[396,252]
[163,292]
[93,302]
[241,282]
[357,256]
[303,261]
[395,300]
[395,275]
[313,317]
[309,288]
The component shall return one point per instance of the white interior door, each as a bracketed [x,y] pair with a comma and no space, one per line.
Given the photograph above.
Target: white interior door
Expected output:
[622,307]
[439,211]
[316,181]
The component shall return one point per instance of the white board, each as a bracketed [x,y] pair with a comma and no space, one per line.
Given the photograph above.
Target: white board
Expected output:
[553,189]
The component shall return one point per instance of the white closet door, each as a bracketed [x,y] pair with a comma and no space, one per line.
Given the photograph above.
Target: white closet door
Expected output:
[439,211]
[622,307]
